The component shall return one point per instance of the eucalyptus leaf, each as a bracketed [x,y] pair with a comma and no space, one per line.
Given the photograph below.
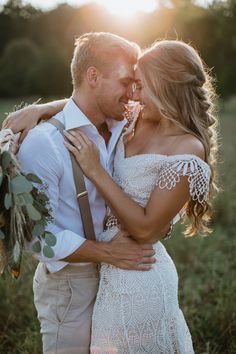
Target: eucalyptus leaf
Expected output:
[33,178]
[33,213]
[50,239]
[48,251]
[38,229]
[2,235]
[6,159]
[28,198]
[36,247]
[19,184]
[8,201]
[20,200]
[17,252]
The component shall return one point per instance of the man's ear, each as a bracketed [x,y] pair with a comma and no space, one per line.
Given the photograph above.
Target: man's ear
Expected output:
[93,75]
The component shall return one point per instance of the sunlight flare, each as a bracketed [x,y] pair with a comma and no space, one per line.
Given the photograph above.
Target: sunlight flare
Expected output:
[128,7]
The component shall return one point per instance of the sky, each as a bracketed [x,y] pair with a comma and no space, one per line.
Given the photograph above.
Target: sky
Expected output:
[113,5]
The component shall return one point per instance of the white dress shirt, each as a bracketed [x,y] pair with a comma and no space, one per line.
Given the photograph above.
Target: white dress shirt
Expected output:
[43,153]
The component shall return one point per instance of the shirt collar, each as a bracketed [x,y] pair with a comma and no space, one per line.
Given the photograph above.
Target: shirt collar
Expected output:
[75,118]
[115,125]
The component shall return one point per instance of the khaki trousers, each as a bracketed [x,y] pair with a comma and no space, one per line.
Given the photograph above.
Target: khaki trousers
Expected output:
[64,301]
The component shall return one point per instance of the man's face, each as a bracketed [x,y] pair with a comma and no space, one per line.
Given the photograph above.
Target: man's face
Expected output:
[115,89]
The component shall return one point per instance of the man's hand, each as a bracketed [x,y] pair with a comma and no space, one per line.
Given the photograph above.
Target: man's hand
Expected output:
[126,253]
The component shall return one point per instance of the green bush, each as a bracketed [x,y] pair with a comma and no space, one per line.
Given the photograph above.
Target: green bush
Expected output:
[16,64]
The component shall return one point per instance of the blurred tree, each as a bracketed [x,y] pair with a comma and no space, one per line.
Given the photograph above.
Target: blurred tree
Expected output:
[211,30]
[16,65]
[51,75]
[16,21]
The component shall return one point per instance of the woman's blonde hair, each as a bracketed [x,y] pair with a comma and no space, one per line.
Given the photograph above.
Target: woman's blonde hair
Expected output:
[181,88]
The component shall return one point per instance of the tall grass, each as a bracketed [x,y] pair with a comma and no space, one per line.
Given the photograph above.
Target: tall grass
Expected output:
[206,267]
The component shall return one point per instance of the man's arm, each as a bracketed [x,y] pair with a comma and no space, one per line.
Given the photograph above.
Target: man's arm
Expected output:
[38,155]
[122,252]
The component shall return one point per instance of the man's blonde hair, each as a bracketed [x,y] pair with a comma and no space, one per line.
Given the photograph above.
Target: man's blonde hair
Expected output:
[98,49]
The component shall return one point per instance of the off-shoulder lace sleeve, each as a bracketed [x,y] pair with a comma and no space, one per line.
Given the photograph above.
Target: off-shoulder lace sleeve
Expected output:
[197,171]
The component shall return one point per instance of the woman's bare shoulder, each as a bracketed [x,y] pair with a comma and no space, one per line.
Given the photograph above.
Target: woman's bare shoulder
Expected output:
[189,144]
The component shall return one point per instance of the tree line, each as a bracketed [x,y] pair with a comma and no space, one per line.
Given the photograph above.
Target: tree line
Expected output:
[36,46]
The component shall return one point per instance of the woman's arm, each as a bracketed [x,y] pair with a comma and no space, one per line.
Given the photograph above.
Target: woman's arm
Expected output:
[144,224]
[28,117]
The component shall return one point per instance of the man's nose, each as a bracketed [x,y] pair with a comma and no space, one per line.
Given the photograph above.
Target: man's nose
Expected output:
[135,95]
[130,92]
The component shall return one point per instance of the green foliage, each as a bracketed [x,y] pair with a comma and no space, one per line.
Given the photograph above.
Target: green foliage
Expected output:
[33,213]
[19,328]
[31,177]
[48,251]
[8,201]
[207,287]
[36,47]
[50,239]
[6,158]
[36,247]
[19,185]
[2,236]
[23,208]
[16,65]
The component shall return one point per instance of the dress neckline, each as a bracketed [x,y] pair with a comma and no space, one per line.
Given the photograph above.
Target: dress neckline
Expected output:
[155,155]
[161,156]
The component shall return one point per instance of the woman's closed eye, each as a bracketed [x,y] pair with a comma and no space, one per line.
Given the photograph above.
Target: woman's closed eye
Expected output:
[137,86]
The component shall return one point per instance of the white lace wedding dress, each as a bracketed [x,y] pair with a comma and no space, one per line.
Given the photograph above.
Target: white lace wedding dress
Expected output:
[138,312]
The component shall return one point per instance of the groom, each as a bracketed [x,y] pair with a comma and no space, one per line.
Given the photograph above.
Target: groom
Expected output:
[65,286]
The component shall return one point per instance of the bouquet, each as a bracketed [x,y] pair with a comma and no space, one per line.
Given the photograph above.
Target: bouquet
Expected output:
[24,209]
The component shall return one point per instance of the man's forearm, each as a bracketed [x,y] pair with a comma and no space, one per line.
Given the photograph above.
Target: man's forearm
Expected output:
[90,251]
[122,252]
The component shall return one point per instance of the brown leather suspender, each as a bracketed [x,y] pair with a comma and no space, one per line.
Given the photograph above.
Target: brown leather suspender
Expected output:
[82,194]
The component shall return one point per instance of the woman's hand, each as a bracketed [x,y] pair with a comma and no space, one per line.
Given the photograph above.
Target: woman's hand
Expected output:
[23,120]
[85,152]
[28,117]
[9,141]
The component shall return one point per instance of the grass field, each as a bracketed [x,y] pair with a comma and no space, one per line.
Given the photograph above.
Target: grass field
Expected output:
[206,267]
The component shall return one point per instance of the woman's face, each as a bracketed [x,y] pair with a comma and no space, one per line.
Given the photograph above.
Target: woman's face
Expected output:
[140,94]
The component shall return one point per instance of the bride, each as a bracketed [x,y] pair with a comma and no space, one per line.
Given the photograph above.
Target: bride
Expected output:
[164,167]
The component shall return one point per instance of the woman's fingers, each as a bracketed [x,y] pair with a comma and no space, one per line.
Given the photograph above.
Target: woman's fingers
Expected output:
[73,149]
[85,138]
[23,135]
[77,140]
[24,119]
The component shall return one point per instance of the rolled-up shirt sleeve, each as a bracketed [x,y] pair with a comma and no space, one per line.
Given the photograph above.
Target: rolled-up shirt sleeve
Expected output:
[38,155]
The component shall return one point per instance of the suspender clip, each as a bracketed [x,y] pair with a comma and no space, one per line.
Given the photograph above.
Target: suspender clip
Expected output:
[82,194]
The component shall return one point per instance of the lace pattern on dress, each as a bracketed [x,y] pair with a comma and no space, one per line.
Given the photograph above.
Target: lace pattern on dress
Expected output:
[110,222]
[197,171]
